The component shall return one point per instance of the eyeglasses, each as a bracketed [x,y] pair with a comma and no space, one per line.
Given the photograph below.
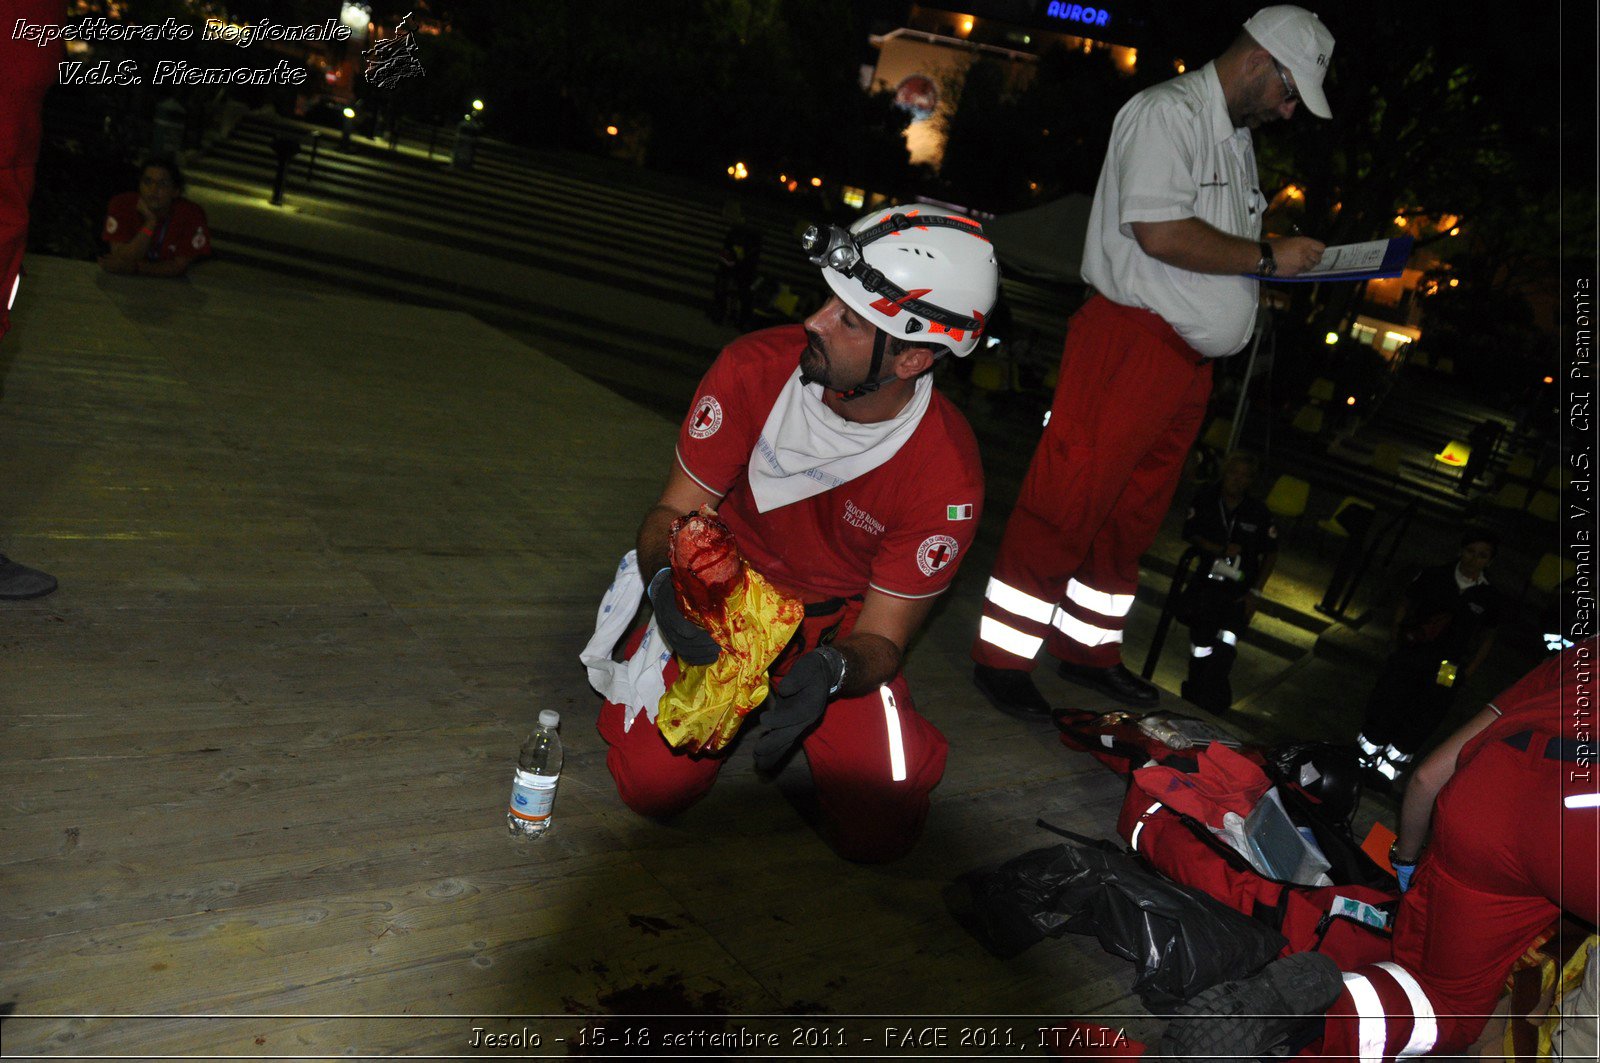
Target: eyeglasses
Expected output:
[1290,93]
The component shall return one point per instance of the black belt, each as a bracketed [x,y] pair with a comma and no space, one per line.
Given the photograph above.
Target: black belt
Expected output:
[1567,749]
[829,606]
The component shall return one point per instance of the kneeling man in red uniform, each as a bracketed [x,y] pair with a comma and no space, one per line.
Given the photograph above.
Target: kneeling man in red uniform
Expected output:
[851,484]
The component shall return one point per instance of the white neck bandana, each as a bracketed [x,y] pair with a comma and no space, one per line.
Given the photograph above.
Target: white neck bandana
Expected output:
[805,448]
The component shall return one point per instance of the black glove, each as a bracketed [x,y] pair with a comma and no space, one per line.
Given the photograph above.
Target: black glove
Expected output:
[797,703]
[691,642]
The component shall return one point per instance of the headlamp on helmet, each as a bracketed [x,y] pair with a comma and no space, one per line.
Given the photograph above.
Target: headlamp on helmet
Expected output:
[884,265]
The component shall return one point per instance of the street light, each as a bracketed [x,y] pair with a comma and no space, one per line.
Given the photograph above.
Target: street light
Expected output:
[356,18]
[344,133]
[477,105]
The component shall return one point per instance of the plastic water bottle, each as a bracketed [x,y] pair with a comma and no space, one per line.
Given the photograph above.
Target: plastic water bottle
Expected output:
[533,788]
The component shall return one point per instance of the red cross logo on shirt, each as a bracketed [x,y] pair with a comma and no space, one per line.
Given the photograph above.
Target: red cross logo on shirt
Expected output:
[935,553]
[706,419]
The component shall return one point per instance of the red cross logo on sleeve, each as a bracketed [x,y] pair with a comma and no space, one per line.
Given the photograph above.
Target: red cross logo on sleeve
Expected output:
[706,419]
[935,553]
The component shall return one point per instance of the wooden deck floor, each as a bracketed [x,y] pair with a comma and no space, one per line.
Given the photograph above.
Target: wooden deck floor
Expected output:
[322,560]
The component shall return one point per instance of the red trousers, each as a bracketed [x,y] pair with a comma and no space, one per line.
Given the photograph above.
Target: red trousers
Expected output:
[26,72]
[1128,406]
[1507,857]
[874,760]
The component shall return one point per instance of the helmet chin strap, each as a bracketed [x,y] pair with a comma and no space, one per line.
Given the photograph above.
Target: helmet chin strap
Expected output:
[872,383]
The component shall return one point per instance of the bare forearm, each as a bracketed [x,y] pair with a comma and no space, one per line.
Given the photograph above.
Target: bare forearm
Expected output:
[869,661]
[1199,247]
[1416,810]
[651,544]
[1196,246]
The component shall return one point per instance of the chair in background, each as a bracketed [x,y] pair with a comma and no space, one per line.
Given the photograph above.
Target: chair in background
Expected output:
[1511,496]
[1217,435]
[1545,506]
[1334,523]
[991,374]
[1386,459]
[1308,420]
[1454,454]
[1287,499]
[1520,467]
[1551,571]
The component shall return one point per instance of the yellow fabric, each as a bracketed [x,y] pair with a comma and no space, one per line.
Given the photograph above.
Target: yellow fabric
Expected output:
[1571,978]
[704,707]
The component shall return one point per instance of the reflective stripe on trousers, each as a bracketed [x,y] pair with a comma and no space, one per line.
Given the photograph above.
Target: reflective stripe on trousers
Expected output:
[897,747]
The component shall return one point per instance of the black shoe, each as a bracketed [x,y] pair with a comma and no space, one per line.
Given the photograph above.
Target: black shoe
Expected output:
[18,582]
[1011,690]
[1116,682]
[1248,1018]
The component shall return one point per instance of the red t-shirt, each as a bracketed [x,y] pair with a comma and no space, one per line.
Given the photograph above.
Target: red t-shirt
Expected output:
[901,528]
[1555,699]
[182,235]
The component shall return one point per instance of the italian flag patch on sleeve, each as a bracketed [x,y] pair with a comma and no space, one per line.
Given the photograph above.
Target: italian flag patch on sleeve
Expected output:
[959,512]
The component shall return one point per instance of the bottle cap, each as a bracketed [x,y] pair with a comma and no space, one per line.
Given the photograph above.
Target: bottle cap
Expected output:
[549,718]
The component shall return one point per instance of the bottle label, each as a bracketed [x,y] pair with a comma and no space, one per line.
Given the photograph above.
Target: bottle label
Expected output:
[532,796]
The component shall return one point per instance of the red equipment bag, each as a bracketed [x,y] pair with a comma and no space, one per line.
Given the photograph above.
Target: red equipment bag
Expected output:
[1164,820]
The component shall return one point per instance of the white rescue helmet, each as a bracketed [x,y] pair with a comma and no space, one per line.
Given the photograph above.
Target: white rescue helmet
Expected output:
[924,274]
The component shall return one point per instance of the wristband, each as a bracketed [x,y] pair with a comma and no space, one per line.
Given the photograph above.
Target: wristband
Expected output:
[836,663]
[1395,861]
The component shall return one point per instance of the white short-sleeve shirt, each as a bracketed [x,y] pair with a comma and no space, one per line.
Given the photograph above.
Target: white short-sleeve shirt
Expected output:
[1175,154]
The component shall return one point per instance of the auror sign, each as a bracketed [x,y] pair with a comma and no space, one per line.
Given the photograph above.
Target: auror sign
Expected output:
[1087,16]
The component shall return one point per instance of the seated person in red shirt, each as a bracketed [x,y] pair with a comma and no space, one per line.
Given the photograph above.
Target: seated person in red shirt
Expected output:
[155,232]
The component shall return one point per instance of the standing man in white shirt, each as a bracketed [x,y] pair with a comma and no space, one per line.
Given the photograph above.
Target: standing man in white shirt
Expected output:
[1173,252]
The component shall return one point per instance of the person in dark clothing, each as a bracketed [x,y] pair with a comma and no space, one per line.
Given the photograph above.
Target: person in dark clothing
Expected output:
[1239,547]
[1443,629]
[737,264]
[1483,439]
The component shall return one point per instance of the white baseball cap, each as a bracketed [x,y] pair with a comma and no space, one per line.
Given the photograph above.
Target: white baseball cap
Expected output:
[1297,39]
